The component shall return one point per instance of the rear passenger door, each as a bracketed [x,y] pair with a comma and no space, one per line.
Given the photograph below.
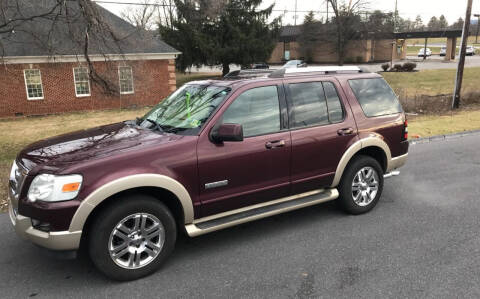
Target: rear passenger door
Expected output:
[322,128]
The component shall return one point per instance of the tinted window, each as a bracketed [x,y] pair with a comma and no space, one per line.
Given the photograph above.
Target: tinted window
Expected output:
[308,104]
[375,96]
[335,110]
[257,110]
[314,104]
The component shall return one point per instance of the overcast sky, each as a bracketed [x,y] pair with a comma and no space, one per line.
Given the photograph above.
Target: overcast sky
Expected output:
[452,9]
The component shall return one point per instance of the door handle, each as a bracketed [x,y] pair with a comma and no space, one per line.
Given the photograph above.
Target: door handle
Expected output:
[346,131]
[274,144]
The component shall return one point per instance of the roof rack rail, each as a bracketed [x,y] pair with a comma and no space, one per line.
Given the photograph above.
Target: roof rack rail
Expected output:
[305,71]
[247,73]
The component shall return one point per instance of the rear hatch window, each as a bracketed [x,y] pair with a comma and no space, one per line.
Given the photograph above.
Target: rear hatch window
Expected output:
[375,96]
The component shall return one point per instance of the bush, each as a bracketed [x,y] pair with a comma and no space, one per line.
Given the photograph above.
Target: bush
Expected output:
[385,67]
[397,67]
[409,66]
[359,59]
[349,60]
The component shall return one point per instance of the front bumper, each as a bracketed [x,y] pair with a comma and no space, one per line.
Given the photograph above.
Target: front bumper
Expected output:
[61,240]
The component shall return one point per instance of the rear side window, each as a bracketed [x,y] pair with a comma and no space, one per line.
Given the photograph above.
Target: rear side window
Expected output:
[257,110]
[335,110]
[309,104]
[375,96]
[314,103]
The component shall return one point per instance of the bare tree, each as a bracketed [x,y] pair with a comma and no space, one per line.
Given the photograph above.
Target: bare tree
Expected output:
[145,16]
[347,16]
[60,27]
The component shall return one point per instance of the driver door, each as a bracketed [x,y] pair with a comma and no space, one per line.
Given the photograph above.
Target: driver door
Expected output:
[233,175]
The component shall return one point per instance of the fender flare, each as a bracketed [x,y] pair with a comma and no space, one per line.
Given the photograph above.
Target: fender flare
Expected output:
[129,182]
[355,148]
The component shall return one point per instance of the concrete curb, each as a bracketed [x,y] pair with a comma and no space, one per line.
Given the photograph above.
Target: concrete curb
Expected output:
[443,137]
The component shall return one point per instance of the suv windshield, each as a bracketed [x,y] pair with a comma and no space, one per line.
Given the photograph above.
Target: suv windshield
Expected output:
[186,110]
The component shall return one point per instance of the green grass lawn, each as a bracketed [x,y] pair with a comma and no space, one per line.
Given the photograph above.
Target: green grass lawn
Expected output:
[432,82]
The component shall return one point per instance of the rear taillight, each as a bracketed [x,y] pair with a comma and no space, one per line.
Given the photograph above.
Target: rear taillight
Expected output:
[405,130]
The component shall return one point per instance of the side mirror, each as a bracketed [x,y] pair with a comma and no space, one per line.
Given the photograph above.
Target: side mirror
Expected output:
[227,132]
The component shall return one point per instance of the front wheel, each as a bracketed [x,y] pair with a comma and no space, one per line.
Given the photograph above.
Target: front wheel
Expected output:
[132,237]
[361,185]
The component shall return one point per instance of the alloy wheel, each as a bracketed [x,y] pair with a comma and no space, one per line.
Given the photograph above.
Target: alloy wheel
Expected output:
[136,240]
[365,186]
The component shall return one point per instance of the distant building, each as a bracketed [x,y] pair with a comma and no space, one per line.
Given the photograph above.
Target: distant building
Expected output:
[358,51]
[44,70]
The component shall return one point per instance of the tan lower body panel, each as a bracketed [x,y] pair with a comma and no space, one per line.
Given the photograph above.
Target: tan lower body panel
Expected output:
[318,197]
[53,240]
[397,162]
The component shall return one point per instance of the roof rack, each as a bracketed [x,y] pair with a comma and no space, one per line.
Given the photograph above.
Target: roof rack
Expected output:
[305,71]
[248,73]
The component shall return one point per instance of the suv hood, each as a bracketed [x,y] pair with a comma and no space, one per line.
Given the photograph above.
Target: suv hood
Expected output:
[90,144]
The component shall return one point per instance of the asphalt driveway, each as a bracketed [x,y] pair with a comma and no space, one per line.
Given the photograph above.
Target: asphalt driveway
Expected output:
[422,240]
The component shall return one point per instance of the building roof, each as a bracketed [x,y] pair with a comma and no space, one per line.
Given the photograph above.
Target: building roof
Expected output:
[290,31]
[58,34]
[428,34]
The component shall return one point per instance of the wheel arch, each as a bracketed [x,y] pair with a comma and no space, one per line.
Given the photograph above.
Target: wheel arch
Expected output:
[177,197]
[373,146]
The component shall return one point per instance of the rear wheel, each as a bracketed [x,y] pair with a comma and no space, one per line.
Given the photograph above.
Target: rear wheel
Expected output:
[132,237]
[361,185]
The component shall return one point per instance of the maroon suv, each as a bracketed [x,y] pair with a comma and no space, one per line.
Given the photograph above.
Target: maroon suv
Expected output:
[212,155]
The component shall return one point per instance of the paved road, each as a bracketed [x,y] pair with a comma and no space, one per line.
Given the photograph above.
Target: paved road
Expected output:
[422,240]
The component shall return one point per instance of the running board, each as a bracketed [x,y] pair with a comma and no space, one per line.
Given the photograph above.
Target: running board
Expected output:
[391,174]
[231,218]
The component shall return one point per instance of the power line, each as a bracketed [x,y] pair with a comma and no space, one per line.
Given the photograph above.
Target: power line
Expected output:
[404,13]
[168,5]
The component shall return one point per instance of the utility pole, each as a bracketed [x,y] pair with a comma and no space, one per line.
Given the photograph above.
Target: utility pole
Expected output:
[327,13]
[461,61]
[395,17]
[478,26]
[295,16]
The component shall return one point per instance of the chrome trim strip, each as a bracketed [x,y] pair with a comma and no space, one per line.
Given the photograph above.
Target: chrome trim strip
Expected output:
[216,184]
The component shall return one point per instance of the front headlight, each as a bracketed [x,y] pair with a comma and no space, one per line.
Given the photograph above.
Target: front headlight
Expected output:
[49,187]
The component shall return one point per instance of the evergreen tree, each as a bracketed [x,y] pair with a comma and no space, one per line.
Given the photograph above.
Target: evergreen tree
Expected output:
[418,24]
[442,22]
[458,24]
[433,24]
[309,36]
[238,33]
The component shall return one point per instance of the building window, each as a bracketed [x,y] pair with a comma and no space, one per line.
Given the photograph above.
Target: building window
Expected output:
[82,82]
[33,84]
[126,79]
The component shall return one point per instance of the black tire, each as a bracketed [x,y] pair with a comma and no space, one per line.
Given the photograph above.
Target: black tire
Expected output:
[106,221]
[346,199]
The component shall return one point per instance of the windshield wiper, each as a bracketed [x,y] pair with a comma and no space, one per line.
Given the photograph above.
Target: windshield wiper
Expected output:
[157,126]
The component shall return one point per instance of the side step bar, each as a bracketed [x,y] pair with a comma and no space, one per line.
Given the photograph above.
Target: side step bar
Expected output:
[231,218]
[391,174]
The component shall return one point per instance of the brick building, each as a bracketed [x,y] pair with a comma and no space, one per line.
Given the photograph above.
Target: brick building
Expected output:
[36,80]
[357,51]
